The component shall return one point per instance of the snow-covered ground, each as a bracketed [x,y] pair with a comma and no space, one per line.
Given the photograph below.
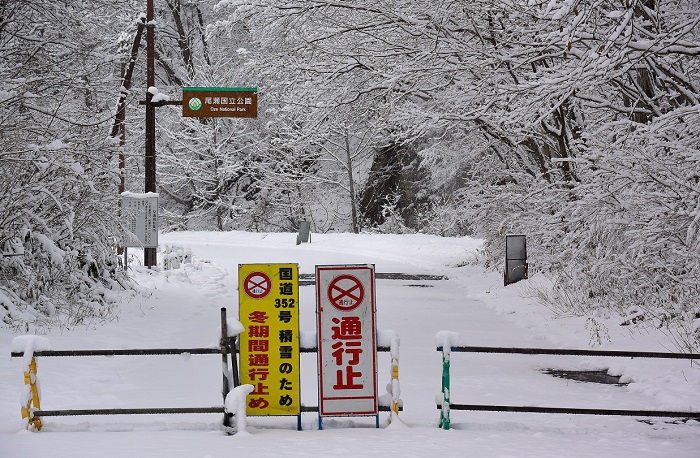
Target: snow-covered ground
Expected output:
[180,308]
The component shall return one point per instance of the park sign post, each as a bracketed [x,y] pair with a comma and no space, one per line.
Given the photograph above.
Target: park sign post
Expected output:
[222,102]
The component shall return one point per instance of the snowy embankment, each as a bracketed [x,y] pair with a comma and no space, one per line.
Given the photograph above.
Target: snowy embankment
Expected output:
[180,308]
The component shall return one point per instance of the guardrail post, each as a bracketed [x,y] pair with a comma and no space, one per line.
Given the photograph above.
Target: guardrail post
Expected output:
[31,397]
[227,378]
[395,387]
[445,410]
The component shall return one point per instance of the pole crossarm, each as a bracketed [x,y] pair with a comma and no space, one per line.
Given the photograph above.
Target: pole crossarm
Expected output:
[161,103]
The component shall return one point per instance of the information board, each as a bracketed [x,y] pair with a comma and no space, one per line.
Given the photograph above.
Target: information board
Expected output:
[347,347]
[140,212]
[220,102]
[269,346]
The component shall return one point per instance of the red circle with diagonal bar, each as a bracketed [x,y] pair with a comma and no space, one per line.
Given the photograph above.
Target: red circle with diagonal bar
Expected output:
[345,292]
[257,285]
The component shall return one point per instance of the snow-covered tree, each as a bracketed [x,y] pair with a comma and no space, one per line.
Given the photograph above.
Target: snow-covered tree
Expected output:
[528,112]
[59,81]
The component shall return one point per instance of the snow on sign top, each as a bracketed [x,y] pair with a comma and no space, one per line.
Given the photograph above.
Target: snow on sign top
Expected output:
[229,102]
[140,195]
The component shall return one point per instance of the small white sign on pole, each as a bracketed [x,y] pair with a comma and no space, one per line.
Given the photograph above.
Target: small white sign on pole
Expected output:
[140,212]
[347,347]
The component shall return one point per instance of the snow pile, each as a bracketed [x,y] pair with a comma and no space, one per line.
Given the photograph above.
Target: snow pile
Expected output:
[447,340]
[157,95]
[28,344]
[235,404]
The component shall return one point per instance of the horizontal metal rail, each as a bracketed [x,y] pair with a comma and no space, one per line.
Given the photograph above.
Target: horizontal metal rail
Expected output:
[380,408]
[573,411]
[144,411]
[157,411]
[315,349]
[127,352]
[152,351]
[565,352]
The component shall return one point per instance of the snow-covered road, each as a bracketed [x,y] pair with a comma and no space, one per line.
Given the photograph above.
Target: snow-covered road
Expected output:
[180,308]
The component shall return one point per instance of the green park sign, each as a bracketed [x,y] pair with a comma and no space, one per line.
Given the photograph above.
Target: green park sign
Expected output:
[222,102]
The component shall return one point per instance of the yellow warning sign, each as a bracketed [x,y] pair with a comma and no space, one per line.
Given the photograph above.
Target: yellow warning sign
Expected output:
[269,346]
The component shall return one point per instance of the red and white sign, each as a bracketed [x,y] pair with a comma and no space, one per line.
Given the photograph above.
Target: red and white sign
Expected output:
[257,285]
[347,346]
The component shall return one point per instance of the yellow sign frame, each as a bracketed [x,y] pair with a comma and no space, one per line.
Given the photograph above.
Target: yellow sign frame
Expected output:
[269,346]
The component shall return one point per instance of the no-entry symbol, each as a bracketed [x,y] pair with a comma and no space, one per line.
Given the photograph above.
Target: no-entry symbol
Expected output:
[257,285]
[345,292]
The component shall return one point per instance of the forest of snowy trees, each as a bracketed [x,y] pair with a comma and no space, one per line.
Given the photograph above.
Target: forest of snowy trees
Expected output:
[571,121]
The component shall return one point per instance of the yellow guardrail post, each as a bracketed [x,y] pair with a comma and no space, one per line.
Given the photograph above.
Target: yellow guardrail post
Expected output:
[31,397]
[394,384]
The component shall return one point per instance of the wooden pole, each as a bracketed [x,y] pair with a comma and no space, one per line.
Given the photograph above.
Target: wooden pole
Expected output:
[149,254]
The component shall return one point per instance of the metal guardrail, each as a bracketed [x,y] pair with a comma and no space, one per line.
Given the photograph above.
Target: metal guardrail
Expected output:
[228,345]
[447,405]
[32,411]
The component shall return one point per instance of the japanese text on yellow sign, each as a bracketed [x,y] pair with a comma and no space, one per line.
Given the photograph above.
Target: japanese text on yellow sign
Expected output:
[269,346]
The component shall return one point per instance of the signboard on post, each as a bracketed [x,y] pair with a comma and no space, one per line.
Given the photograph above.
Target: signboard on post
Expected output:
[516,259]
[269,346]
[347,347]
[141,214]
[221,102]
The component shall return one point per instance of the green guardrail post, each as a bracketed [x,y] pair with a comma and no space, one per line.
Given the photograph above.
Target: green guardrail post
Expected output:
[445,411]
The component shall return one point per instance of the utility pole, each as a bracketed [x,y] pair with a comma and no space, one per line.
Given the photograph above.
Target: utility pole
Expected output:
[149,254]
